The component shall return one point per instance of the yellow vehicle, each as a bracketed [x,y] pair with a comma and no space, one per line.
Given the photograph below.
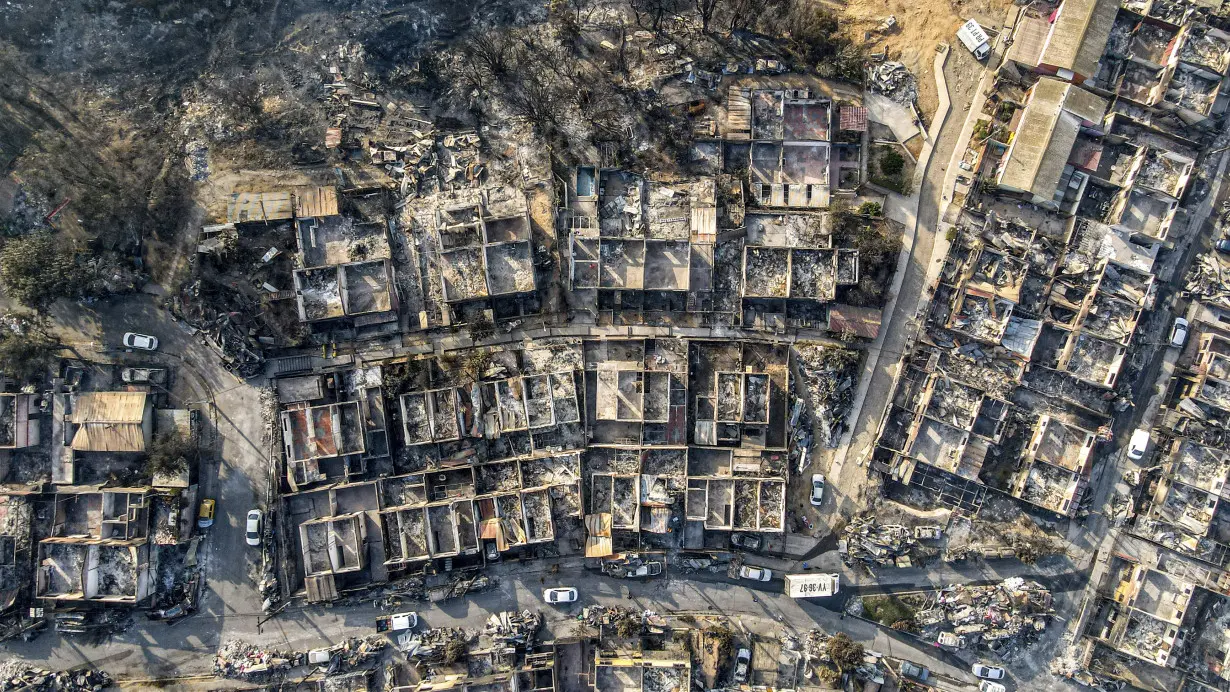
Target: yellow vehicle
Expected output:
[205,518]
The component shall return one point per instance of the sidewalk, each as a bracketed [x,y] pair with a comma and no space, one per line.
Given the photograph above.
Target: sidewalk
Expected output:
[909,212]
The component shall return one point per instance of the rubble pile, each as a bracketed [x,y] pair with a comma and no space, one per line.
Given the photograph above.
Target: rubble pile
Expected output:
[829,375]
[355,652]
[513,626]
[1002,617]
[15,676]
[598,616]
[870,543]
[237,659]
[895,81]
[225,332]
[1205,280]
[432,645]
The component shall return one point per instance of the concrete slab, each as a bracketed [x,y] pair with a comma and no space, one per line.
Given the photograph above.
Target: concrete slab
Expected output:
[897,117]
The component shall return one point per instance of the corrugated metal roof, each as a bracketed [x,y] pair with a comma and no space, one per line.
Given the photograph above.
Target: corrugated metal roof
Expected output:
[1079,35]
[258,206]
[109,437]
[109,407]
[1044,139]
[315,201]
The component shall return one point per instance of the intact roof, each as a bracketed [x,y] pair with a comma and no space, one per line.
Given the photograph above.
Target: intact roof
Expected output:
[1044,139]
[1079,35]
[853,118]
[109,437]
[109,407]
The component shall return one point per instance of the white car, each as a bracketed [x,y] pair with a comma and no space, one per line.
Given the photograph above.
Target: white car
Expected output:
[1138,444]
[319,656]
[989,672]
[817,489]
[1178,333]
[253,529]
[755,573]
[141,342]
[988,686]
[562,594]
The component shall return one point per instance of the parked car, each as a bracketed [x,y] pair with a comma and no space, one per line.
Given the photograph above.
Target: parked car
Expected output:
[743,664]
[817,489]
[254,527]
[755,573]
[956,641]
[989,672]
[1178,333]
[746,541]
[560,594]
[649,569]
[397,622]
[141,342]
[205,517]
[1138,444]
[1222,245]
[988,686]
[143,375]
[320,657]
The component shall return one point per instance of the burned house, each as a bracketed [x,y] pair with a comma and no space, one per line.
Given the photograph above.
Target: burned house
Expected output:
[332,426]
[18,429]
[640,246]
[346,270]
[789,159]
[791,271]
[98,548]
[1186,512]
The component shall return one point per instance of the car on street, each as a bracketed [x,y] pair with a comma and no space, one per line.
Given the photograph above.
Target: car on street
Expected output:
[988,686]
[746,541]
[143,375]
[319,657]
[141,342]
[817,489]
[205,517]
[397,622]
[1223,245]
[1138,444]
[988,672]
[560,594]
[1178,333]
[743,664]
[254,527]
[755,573]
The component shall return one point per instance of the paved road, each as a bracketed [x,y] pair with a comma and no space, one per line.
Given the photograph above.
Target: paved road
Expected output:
[853,474]
[234,472]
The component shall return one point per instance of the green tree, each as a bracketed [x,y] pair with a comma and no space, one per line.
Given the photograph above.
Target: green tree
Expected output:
[846,653]
[39,269]
[892,163]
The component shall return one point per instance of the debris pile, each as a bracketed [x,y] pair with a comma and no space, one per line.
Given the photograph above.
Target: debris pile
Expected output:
[237,659]
[15,676]
[225,332]
[513,626]
[1001,616]
[1206,281]
[830,375]
[355,652]
[895,81]
[433,645]
[870,543]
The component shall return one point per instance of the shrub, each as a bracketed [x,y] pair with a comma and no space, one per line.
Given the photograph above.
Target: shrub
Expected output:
[892,163]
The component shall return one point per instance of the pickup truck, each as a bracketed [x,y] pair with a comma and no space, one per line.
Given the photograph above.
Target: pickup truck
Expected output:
[397,622]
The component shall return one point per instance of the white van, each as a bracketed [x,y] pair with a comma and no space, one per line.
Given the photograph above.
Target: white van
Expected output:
[975,39]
